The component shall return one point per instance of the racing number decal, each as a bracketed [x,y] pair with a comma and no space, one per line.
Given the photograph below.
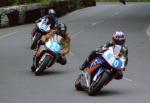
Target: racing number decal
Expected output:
[55,46]
[113,61]
[44,27]
[116,63]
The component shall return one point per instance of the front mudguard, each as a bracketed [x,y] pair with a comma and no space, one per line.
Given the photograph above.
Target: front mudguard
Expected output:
[100,72]
[42,65]
[43,57]
[100,82]
[101,78]
[35,40]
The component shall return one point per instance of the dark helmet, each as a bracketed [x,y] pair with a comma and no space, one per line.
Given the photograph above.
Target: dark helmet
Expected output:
[62,27]
[119,38]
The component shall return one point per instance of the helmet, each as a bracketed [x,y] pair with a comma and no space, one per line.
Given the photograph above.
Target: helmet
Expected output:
[62,27]
[119,38]
[51,11]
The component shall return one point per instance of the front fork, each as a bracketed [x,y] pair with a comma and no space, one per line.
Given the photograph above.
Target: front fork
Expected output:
[100,71]
[39,53]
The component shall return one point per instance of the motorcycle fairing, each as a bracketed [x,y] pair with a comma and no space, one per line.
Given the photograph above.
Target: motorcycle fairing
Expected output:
[114,61]
[43,26]
[54,45]
[100,72]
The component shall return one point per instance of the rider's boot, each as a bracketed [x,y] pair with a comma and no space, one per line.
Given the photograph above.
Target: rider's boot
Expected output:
[62,60]
[119,75]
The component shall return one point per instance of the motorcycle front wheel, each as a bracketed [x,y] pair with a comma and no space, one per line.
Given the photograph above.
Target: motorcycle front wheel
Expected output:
[78,83]
[97,85]
[42,65]
[35,40]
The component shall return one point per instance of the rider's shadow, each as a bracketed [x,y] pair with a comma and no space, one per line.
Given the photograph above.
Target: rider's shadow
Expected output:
[53,71]
[109,92]
[115,92]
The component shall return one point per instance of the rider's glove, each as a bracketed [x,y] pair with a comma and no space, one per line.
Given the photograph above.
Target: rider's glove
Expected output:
[37,21]
[101,50]
[104,49]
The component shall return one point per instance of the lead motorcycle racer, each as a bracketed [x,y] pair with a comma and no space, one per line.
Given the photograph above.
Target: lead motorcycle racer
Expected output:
[103,65]
[117,38]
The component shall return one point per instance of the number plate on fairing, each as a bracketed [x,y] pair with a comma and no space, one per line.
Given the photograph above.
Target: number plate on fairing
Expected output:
[118,63]
[44,27]
[54,46]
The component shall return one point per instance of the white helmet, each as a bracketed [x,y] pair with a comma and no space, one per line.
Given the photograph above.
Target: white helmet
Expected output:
[51,11]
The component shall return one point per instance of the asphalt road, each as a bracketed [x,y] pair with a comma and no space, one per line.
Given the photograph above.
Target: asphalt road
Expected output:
[89,28]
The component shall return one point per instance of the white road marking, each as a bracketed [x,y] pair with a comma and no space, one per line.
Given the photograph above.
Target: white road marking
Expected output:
[116,13]
[130,80]
[7,35]
[10,34]
[148,31]
[95,23]
[76,34]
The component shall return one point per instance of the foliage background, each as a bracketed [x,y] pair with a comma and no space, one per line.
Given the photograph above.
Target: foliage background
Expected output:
[16,2]
[126,0]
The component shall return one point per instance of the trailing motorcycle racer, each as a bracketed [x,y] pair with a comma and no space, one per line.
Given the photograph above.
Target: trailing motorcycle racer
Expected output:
[60,30]
[118,38]
[51,19]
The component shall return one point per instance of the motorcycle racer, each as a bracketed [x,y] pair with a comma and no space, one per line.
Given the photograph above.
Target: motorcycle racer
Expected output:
[60,30]
[117,38]
[51,18]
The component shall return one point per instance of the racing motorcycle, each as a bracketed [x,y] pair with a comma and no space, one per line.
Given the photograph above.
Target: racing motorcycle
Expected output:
[101,70]
[42,28]
[49,55]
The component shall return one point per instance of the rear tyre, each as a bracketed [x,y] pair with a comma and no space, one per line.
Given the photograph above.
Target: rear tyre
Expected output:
[78,83]
[42,65]
[97,85]
[33,68]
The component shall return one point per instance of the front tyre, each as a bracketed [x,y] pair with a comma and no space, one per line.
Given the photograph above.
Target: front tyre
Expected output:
[33,68]
[78,83]
[42,65]
[36,37]
[97,85]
